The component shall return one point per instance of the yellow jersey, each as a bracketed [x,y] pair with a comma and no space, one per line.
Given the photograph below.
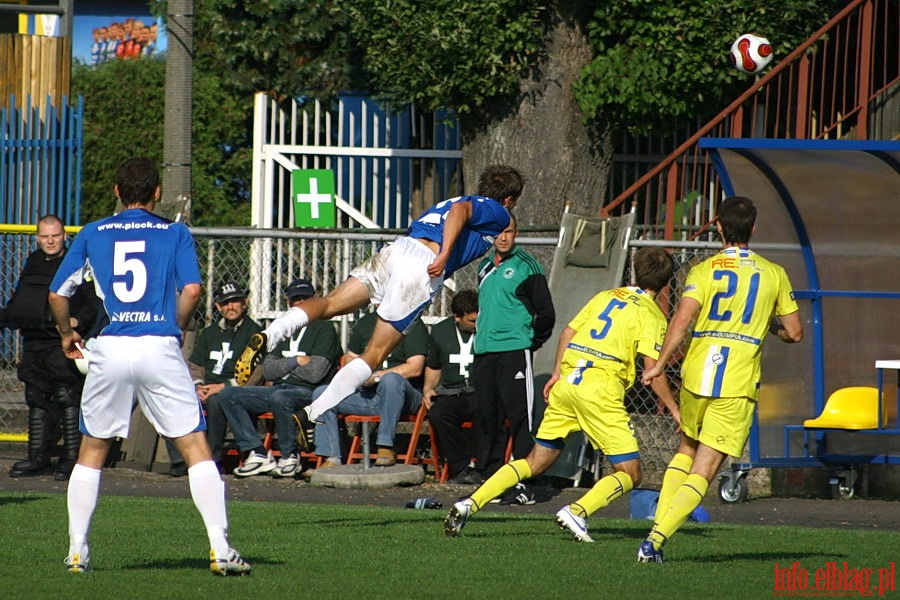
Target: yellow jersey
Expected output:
[738,291]
[610,331]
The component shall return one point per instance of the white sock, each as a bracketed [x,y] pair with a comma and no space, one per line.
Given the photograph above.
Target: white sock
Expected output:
[345,382]
[284,326]
[81,498]
[208,492]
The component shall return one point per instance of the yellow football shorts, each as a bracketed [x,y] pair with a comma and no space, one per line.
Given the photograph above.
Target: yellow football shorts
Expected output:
[720,423]
[595,405]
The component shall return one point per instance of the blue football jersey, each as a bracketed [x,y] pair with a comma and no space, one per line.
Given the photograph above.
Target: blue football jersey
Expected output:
[139,262]
[489,219]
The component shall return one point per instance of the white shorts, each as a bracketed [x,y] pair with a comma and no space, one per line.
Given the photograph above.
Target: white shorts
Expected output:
[398,281]
[150,369]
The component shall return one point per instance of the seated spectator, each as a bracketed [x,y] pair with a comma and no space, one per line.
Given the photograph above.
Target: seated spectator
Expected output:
[300,363]
[388,393]
[212,365]
[447,395]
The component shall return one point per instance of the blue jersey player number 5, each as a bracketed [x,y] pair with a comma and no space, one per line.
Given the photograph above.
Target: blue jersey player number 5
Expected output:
[122,266]
[140,263]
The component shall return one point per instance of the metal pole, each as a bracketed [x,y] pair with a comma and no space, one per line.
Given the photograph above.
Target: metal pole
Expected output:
[179,97]
[367,462]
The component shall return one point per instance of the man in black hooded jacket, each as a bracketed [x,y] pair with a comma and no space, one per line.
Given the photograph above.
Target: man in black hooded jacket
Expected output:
[52,381]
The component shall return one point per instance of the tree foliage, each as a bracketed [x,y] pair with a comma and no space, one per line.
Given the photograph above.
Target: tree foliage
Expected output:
[458,54]
[530,79]
[662,61]
[282,47]
[124,107]
[655,61]
[123,117]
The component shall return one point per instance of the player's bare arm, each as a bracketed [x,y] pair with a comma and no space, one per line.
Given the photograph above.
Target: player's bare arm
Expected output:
[660,387]
[788,328]
[188,300]
[564,338]
[59,306]
[679,328]
[457,217]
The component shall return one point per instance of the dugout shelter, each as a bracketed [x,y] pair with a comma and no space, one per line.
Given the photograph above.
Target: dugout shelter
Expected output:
[829,213]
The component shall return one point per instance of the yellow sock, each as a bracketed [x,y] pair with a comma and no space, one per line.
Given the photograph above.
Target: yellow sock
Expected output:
[506,476]
[677,471]
[685,500]
[604,491]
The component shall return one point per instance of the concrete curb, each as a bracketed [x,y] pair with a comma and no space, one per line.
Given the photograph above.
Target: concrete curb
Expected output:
[356,477]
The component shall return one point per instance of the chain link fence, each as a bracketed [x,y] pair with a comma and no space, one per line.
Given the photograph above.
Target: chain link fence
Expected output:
[16,243]
[265,262]
[657,433]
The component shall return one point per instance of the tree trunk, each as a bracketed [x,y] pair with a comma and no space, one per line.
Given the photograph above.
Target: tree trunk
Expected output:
[541,133]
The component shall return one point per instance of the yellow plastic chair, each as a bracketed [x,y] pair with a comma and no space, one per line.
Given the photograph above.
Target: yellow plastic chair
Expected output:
[848,408]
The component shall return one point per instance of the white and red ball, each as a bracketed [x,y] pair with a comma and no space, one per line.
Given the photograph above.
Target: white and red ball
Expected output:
[751,53]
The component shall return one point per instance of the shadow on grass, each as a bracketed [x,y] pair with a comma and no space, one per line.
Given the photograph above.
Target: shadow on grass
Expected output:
[639,529]
[192,563]
[23,499]
[727,557]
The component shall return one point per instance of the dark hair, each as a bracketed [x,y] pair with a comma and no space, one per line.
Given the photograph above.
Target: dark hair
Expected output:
[653,268]
[737,215]
[137,179]
[464,302]
[499,182]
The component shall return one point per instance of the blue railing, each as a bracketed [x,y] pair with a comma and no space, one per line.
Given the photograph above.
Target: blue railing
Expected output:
[40,161]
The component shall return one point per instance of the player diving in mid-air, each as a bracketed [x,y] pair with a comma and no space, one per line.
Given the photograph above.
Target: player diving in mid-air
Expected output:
[402,279]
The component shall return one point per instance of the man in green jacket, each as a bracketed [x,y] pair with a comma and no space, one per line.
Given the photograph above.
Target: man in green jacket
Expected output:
[515,318]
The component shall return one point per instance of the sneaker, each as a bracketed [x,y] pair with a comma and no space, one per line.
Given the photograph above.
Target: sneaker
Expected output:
[456,519]
[648,554]
[78,562]
[250,357]
[256,464]
[577,526]
[305,430]
[518,495]
[288,467]
[230,564]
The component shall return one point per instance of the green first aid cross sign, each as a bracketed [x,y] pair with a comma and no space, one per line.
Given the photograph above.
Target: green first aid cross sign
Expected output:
[313,194]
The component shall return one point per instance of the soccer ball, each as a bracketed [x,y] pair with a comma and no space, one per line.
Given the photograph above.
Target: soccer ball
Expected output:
[750,53]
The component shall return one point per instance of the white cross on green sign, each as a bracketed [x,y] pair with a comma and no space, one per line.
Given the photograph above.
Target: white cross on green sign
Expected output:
[313,194]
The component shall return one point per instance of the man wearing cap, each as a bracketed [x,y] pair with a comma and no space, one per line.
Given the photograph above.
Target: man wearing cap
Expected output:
[212,364]
[300,363]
